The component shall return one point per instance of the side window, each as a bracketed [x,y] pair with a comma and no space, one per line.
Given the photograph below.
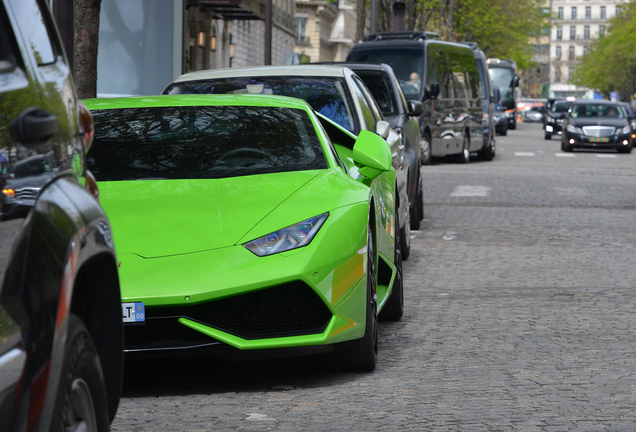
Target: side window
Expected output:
[367,115]
[373,104]
[34,30]
[438,62]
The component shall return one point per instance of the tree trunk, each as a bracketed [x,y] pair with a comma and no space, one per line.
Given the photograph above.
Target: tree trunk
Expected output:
[360,20]
[86,39]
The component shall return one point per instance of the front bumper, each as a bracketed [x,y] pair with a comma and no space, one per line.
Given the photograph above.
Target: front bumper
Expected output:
[230,299]
[585,141]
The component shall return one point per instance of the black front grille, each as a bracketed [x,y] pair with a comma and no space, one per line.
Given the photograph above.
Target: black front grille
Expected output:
[161,334]
[291,309]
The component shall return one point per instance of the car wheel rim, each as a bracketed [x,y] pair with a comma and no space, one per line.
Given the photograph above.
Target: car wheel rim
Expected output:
[81,413]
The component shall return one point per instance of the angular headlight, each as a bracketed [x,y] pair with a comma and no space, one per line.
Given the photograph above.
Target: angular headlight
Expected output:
[625,130]
[573,129]
[292,237]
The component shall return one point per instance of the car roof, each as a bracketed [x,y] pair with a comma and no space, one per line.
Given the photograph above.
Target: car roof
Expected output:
[196,100]
[594,101]
[294,70]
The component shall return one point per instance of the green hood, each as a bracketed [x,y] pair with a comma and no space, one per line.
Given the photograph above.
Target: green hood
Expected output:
[154,218]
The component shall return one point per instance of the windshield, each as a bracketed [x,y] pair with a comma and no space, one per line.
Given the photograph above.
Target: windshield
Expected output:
[407,65]
[596,110]
[326,95]
[561,107]
[191,142]
[502,79]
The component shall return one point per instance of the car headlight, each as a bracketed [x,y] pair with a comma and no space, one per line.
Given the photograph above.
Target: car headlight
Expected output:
[626,130]
[292,237]
[574,129]
[550,120]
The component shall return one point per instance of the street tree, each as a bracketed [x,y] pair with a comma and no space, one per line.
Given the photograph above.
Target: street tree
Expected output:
[610,64]
[86,23]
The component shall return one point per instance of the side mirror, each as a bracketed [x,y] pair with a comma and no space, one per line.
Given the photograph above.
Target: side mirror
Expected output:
[372,154]
[515,81]
[382,128]
[433,92]
[416,108]
[496,95]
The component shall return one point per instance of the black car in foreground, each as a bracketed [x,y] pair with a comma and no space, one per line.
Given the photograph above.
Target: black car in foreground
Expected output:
[61,333]
[555,116]
[598,125]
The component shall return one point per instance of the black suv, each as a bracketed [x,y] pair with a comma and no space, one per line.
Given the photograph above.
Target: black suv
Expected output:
[61,333]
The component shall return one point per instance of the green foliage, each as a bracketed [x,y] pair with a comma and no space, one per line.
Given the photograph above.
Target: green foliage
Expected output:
[502,28]
[610,65]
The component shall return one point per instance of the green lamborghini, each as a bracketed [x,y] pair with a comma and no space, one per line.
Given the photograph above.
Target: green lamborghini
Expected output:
[247,225]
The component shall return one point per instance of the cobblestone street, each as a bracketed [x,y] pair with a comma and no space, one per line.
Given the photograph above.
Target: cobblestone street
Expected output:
[519,315]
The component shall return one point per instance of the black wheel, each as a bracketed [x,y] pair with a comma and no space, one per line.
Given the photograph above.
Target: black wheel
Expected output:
[81,402]
[566,147]
[625,149]
[547,136]
[417,210]
[504,132]
[513,125]
[361,355]
[394,307]
[425,149]
[488,153]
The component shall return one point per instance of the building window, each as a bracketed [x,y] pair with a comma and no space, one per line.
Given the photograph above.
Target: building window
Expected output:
[558,52]
[572,32]
[586,49]
[301,25]
[573,12]
[603,16]
[618,10]
[559,32]
[586,32]
[601,30]
[570,73]
[557,75]
[560,12]
[588,12]
[571,53]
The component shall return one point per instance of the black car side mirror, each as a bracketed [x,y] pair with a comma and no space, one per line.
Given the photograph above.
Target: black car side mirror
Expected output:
[515,81]
[416,108]
[433,92]
[496,94]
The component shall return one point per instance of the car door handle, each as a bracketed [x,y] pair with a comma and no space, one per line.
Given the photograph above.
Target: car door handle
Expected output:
[33,126]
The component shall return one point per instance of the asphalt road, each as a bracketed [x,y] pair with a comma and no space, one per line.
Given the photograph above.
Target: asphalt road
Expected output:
[520,315]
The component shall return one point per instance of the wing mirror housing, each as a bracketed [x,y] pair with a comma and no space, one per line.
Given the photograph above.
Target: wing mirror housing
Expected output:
[382,128]
[432,92]
[515,81]
[416,108]
[371,154]
[496,94]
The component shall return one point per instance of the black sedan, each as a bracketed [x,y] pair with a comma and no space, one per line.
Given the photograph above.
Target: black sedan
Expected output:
[598,125]
[554,118]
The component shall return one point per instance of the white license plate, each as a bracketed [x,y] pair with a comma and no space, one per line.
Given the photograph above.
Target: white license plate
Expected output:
[133,312]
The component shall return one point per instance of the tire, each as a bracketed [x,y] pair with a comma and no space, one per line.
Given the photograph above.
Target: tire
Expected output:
[627,149]
[394,306]
[513,126]
[547,136]
[81,402]
[425,149]
[464,156]
[566,148]
[417,210]
[505,131]
[488,154]
[361,355]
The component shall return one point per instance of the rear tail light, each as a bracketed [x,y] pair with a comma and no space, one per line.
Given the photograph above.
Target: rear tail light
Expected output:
[87,125]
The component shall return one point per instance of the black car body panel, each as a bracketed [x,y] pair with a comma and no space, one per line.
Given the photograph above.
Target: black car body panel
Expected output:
[555,117]
[57,259]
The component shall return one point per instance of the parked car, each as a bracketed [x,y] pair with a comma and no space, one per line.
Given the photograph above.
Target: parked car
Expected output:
[489,98]
[598,124]
[444,77]
[534,115]
[501,120]
[555,118]
[402,116]
[61,335]
[333,91]
[280,230]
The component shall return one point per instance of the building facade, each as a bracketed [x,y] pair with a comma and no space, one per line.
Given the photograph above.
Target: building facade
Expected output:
[577,24]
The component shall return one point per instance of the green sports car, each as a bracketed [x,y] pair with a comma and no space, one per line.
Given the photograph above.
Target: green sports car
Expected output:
[247,225]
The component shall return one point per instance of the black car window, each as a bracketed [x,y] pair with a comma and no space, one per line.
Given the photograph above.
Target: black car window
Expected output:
[189,142]
[326,95]
[33,27]
[597,110]
[367,114]
[378,83]
[407,64]
[561,107]
[373,105]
